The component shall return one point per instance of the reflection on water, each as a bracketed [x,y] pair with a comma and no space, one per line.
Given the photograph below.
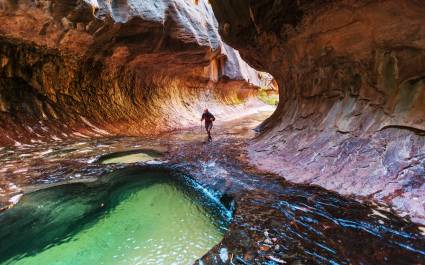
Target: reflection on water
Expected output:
[304,224]
[134,218]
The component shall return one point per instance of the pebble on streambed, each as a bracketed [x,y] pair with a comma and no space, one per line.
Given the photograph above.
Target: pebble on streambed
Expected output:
[270,244]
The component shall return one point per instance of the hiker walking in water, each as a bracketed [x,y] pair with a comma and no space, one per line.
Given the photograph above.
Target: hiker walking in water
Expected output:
[209,118]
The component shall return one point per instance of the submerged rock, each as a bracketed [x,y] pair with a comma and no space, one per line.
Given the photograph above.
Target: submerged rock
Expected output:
[351,81]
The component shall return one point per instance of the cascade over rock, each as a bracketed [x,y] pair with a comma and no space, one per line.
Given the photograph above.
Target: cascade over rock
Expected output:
[351,78]
[91,68]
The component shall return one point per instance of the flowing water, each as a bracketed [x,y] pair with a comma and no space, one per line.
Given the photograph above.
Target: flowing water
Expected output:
[136,217]
[84,203]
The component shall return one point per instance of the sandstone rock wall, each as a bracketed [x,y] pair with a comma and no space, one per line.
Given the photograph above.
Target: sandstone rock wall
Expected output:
[90,68]
[351,77]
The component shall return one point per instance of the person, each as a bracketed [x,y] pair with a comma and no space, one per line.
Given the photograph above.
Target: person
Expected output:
[209,118]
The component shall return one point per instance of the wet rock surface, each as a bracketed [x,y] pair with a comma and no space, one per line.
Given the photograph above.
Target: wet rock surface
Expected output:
[277,222]
[351,80]
[274,222]
[350,119]
[72,69]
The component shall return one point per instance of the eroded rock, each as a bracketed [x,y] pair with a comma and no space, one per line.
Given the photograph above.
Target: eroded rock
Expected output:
[93,68]
[351,77]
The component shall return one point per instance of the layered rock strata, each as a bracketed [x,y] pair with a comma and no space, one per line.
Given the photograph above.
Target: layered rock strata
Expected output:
[351,78]
[93,68]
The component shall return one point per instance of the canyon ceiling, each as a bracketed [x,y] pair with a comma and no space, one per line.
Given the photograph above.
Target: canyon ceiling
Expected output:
[93,68]
[351,78]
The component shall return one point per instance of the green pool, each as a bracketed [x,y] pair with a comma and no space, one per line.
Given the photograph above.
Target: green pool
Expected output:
[131,156]
[133,216]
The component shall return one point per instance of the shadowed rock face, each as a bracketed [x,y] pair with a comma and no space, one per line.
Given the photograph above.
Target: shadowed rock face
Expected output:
[352,89]
[88,68]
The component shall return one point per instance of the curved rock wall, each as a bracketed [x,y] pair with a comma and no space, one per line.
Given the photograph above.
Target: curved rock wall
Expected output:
[88,68]
[351,76]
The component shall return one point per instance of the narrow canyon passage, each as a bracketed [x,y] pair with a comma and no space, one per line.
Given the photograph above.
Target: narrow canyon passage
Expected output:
[269,218]
[317,153]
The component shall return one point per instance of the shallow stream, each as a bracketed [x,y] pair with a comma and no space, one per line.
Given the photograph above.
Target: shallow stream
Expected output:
[133,216]
[173,204]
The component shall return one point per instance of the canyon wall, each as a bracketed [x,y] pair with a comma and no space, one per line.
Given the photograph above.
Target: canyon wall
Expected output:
[94,68]
[351,77]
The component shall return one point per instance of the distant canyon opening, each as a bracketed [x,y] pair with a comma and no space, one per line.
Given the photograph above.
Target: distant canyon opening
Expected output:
[318,151]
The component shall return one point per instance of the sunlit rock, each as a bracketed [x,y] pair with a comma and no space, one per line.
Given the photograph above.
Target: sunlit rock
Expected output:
[96,68]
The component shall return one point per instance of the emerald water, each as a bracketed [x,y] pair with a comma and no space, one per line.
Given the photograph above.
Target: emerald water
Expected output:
[127,157]
[131,217]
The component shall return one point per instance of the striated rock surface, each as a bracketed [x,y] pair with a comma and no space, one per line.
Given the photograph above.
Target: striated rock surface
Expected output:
[91,68]
[351,77]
